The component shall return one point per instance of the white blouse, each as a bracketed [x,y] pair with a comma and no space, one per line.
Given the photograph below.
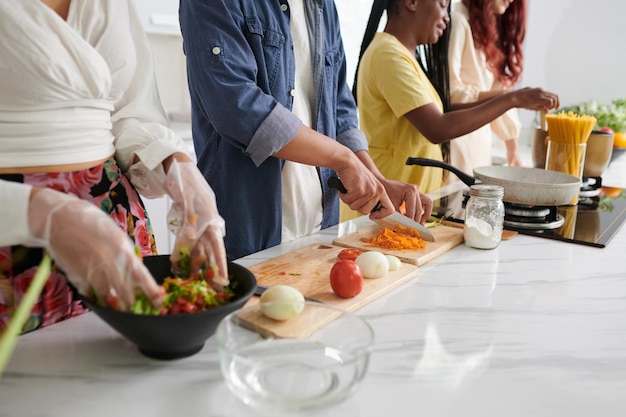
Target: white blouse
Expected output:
[469,75]
[75,91]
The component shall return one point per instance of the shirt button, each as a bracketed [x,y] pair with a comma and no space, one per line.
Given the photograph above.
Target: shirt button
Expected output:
[283,7]
[292,93]
[216,50]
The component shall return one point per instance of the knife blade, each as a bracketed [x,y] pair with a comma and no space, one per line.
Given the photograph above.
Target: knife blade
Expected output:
[393,220]
[400,221]
[260,289]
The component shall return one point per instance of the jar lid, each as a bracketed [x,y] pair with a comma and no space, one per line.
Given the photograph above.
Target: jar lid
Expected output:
[487,190]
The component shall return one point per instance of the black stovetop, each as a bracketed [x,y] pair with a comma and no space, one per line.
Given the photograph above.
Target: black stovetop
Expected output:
[593,222]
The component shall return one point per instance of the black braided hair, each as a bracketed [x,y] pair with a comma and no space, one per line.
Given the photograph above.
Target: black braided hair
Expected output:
[378,8]
[432,58]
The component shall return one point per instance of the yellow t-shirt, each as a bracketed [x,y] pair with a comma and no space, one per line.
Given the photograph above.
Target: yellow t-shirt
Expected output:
[390,84]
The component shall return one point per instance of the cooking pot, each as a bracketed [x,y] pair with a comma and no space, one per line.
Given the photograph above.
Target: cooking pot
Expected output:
[528,186]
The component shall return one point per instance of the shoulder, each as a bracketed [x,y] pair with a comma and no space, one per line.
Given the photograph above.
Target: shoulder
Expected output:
[459,15]
[461,28]
[109,8]
[95,15]
[460,11]
[387,48]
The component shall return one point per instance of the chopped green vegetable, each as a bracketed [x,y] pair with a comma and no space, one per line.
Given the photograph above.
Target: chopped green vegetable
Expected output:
[183,296]
[610,115]
[184,265]
[435,222]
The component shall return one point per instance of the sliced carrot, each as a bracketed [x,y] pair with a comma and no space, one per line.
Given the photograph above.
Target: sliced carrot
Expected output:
[396,239]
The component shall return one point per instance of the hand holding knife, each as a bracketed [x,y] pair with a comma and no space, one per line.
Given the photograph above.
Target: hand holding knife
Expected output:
[393,220]
[335,182]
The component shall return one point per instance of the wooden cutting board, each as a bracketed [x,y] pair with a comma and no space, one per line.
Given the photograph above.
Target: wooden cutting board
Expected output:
[446,238]
[308,270]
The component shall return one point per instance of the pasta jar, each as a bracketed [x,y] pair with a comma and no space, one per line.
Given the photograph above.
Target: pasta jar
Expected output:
[484,216]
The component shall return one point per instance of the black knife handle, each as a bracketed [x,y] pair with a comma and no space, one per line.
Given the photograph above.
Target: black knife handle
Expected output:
[334,182]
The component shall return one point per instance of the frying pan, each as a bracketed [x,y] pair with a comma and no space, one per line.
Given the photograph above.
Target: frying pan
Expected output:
[529,186]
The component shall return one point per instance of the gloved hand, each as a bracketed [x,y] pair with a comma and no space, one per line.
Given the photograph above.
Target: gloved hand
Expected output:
[195,221]
[90,248]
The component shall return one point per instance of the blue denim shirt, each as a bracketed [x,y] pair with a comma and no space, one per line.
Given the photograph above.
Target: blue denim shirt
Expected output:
[241,74]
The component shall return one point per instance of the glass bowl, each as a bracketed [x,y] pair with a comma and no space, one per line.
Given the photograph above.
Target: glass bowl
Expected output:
[315,359]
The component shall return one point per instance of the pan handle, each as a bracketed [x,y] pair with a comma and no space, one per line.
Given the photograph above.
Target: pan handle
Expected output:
[466,178]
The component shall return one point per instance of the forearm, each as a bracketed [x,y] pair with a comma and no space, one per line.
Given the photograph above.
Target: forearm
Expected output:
[178,156]
[486,95]
[312,148]
[366,159]
[463,121]
[440,127]
[14,216]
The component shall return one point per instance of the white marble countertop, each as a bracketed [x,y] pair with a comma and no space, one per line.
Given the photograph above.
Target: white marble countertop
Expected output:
[535,327]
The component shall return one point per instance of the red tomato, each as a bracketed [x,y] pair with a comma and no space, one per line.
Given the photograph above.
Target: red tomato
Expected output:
[113,302]
[346,278]
[349,253]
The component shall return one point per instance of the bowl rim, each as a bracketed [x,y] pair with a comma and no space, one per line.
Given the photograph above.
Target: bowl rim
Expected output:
[365,347]
[239,300]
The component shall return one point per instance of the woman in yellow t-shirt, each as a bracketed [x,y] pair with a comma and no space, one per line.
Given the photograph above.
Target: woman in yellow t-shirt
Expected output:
[404,110]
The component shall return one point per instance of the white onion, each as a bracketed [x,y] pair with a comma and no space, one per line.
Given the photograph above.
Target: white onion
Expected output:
[373,264]
[394,262]
[281,302]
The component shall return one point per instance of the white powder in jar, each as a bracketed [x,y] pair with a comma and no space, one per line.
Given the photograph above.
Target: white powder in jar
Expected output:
[479,234]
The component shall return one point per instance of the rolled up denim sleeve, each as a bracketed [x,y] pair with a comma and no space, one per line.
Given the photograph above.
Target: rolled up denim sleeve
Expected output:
[276,130]
[222,73]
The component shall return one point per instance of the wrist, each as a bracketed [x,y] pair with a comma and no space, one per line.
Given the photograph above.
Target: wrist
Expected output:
[341,158]
[36,205]
[511,145]
[178,157]
[42,205]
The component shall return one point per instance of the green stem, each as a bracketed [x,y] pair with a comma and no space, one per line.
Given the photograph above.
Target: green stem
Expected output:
[9,337]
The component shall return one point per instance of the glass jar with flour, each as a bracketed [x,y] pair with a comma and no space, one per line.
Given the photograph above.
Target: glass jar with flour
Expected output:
[484,216]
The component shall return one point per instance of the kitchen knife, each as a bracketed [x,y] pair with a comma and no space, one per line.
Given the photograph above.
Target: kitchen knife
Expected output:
[394,220]
[399,221]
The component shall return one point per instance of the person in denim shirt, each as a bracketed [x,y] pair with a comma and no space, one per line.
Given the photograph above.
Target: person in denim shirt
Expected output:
[243,77]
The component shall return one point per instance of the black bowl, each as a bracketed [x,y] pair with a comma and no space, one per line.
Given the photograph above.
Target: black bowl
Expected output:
[181,335]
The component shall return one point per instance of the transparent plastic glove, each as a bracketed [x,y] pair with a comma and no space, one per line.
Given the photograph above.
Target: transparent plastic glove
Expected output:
[90,248]
[195,221]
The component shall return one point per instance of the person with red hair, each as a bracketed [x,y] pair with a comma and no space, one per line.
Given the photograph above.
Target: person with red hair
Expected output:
[485,60]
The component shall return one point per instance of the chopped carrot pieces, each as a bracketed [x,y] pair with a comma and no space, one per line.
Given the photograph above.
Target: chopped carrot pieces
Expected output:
[396,239]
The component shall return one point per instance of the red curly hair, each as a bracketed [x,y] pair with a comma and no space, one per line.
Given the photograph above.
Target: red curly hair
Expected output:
[500,37]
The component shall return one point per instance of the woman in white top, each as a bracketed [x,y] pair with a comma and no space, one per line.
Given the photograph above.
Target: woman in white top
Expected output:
[485,59]
[81,131]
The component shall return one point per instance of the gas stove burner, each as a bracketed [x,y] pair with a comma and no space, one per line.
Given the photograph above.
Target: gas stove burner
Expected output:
[520,216]
[590,187]
[531,224]
[588,193]
[526,211]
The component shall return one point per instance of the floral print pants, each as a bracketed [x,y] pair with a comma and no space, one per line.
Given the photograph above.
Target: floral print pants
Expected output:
[106,187]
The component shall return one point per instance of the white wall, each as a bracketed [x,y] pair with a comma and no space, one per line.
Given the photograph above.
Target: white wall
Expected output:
[573,47]
[147,8]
